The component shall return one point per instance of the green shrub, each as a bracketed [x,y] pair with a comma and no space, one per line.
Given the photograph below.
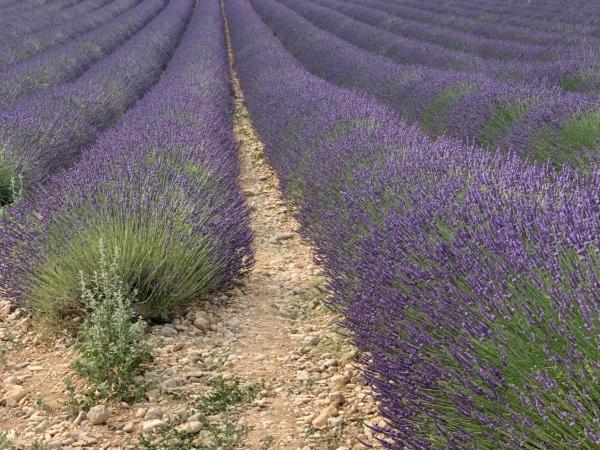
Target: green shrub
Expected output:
[11,190]
[112,347]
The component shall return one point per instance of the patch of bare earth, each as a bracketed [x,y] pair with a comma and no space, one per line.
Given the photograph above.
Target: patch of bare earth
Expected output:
[268,346]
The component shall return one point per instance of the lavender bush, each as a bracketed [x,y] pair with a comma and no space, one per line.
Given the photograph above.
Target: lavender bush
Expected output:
[469,279]
[66,62]
[24,47]
[47,131]
[28,20]
[160,186]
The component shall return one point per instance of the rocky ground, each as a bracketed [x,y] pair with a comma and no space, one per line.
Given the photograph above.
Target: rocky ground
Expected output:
[262,366]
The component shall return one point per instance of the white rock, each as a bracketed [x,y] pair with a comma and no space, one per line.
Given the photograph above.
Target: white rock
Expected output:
[14,395]
[329,363]
[167,331]
[141,412]
[335,421]
[152,425]
[98,414]
[311,340]
[321,420]
[129,427]
[170,383]
[4,308]
[153,413]
[202,323]
[40,427]
[80,417]
[284,237]
[303,376]
[12,381]
[196,417]
[190,427]
[337,398]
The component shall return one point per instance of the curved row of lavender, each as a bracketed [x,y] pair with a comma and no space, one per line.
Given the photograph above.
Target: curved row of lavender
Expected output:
[8,5]
[52,14]
[464,42]
[15,50]
[483,28]
[538,123]
[36,8]
[160,186]
[578,70]
[470,9]
[575,12]
[470,280]
[68,61]
[47,131]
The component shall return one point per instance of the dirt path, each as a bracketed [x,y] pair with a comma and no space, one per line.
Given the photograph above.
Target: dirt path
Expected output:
[308,365]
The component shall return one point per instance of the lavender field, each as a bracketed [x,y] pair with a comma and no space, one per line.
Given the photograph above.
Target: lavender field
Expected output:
[440,157]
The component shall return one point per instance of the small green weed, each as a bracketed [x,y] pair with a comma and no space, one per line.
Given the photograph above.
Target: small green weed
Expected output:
[41,404]
[224,436]
[267,442]
[7,444]
[226,395]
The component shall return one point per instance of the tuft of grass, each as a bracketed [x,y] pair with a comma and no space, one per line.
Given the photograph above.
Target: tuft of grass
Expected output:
[226,395]
[111,346]
[11,190]
[224,398]
[500,121]
[267,442]
[7,444]
[582,132]
[433,115]
[41,404]
[584,80]
[577,141]
[224,436]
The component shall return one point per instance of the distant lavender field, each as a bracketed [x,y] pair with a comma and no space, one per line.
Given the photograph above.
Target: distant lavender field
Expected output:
[443,159]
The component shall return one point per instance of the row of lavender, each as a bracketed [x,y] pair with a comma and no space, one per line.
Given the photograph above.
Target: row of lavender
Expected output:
[577,69]
[470,280]
[469,9]
[66,62]
[47,131]
[20,9]
[484,27]
[572,13]
[488,48]
[536,122]
[30,19]
[160,187]
[23,47]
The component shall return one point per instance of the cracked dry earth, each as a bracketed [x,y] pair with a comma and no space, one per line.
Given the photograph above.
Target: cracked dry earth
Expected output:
[268,345]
